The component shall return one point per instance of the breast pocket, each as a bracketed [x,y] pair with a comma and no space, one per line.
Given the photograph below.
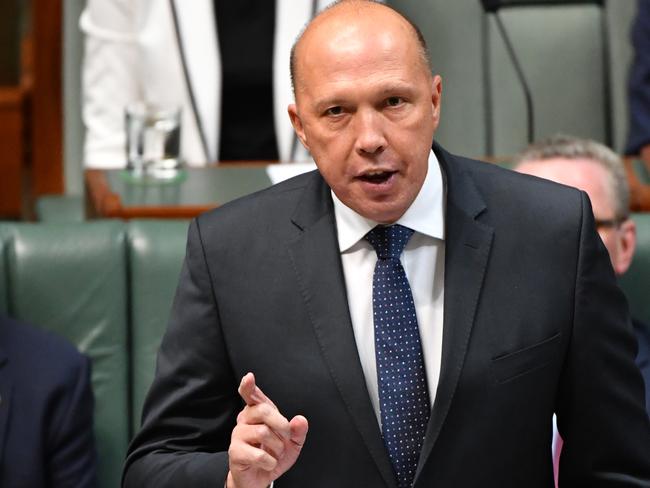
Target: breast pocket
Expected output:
[531,358]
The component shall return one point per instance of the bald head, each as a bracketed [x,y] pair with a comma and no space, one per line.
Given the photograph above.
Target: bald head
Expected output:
[344,19]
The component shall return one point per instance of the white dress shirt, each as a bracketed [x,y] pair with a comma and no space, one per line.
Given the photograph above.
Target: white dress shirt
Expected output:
[423,260]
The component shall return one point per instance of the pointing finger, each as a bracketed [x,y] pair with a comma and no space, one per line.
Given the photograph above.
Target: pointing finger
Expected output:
[251,393]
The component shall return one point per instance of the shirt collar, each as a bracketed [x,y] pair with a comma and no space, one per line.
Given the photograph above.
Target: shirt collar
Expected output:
[425,215]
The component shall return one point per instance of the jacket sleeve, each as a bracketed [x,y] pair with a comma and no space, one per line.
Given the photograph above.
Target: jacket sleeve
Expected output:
[600,407]
[191,408]
[109,79]
[71,456]
[639,82]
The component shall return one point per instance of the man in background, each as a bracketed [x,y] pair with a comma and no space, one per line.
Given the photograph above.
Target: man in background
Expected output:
[638,138]
[598,171]
[46,411]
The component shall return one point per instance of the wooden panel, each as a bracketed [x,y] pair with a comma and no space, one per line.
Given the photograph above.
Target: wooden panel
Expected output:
[11,151]
[46,98]
[10,10]
[639,191]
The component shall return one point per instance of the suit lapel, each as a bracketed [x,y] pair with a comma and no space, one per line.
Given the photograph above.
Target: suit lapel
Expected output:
[5,401]
[467,249]
[196,35]
[317,264]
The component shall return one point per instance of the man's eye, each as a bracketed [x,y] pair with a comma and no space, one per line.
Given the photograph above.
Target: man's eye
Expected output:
[334,111]
[393,101]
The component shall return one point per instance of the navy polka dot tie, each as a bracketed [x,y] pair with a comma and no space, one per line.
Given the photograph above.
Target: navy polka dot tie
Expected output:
[403,394]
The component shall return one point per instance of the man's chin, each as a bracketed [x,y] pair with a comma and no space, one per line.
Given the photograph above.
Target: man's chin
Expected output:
[385,208]
[388,213]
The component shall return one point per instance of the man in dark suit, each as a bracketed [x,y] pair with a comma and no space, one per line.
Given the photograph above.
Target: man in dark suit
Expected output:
[46,411]
[638,138]
[398,297]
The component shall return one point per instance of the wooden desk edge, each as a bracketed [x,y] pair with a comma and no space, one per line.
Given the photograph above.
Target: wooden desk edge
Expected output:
[101,202]
[185,212]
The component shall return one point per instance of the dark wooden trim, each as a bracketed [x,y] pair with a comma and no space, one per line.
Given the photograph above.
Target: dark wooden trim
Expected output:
[639,192]
[13,152]
[46,98]
[101,202]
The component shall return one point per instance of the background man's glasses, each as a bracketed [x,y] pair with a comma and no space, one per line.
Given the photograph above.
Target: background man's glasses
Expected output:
[610,223]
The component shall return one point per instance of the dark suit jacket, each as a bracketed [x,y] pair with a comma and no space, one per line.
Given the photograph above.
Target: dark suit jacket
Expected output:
[533,323]
[46,411]
[639,82]
[642,331]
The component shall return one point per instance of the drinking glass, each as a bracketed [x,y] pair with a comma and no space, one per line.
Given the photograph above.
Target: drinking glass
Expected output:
[153,135]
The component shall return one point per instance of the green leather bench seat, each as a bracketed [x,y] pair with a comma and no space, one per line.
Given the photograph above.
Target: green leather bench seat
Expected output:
[107,286]
[60,208]
[71,279]
[156,252]
[636,282]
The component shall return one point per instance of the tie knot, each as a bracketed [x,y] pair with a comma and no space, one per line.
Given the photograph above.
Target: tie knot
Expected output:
[389,241]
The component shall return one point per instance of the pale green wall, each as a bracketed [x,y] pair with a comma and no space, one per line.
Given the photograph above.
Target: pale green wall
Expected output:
[559,49]
[620,15]
[452,30]
[13,15]
[73,127]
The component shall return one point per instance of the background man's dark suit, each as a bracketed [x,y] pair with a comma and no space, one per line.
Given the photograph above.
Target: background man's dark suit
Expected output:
[643,356]
[639,82]
[533,324]
[46,411]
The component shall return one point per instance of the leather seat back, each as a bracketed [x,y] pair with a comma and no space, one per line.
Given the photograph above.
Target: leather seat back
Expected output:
[156,252]
[72,279]
[636,282]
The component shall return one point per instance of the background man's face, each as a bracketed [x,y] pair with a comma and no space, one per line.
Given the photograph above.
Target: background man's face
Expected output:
[593,179]
[367,109]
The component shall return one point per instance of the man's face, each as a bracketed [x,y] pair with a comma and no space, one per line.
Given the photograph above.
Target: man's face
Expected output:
[367,109]
[589,176]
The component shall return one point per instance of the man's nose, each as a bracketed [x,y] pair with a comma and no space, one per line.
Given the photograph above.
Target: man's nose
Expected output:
[370,132]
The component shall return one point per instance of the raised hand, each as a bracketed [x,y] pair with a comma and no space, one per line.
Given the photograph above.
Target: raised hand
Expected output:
[264,444]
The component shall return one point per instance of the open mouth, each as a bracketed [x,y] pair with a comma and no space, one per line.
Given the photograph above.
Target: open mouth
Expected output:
[377,177]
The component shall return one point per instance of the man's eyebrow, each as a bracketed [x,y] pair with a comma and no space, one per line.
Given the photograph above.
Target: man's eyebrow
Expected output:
[387,90]
[323,103]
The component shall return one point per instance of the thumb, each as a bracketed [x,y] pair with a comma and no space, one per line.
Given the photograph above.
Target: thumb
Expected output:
[299,427]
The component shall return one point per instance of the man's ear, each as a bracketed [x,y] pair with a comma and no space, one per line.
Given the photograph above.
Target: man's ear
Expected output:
[626,242]
[436,98]
[297,124]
